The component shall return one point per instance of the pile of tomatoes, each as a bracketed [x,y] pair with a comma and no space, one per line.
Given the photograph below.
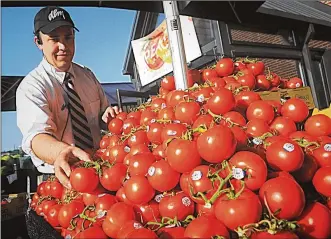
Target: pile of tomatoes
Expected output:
[212,161]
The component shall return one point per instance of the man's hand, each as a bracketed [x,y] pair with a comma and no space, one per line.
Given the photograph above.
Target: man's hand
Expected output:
[110,113]
[62,163]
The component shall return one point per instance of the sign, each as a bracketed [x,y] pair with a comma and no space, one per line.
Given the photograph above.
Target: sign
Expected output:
[153,55]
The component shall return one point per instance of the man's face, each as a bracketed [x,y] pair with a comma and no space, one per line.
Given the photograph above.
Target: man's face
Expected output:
[58,47]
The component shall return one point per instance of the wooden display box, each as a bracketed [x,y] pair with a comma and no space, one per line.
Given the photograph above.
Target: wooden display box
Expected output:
[13,205]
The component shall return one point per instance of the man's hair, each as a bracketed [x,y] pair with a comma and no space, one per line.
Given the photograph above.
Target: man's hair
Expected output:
[40,42]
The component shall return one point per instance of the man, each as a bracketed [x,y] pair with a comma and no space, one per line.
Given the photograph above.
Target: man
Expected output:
[59,103]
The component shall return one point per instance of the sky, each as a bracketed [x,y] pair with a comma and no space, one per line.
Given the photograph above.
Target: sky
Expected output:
[101,45]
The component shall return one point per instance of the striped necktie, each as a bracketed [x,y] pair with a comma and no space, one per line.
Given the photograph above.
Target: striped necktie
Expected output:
[81,131]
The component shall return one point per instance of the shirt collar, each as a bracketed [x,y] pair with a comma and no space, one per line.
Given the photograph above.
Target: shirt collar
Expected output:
[55,73]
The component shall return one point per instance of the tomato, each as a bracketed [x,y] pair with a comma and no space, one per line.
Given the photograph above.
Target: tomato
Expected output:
[239,66]
[134,114]
[162,176]
[54,188]
[203,93]
[278,235]
[318,125]
[322,181]
[294,82]
[245,98]
[117,153]
[163,92]
[115,126]
[149,211]
[138,190]
[104,142]
[285,155]
[117,215]
[127,228]
[84,180]
[142,233]
[306,172]
[41,188]
[184,182]
[199,180]
[315,221]
[275,80]
[171,232]
[208,144]
[187,112]
[130,124]
[104,202]
[224,67]
[122,116]
[302,135]
[52,215]
[247,80]
[206,227]
[183,155]
[89,198]
[176,97]
[158,152]
[256,68]
[218,83]
[92,232]
[203,120]
[205,210]
[232,85]
[240,136]
[295,109]
[47,205]
[240,211]
[166,113]
[262,83]
[221,102]
[168,83]
[68,211]
[322,155]
[139,137]
[254,167]
[233,117]
[207,74]
[113,177]
[284,194]
[158,103]
[120,195]
[260,110]
[193,76]
[140,163]
[147,117]
[283,126]
[178,205]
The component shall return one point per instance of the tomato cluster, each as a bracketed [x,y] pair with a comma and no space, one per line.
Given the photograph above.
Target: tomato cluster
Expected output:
[211,161]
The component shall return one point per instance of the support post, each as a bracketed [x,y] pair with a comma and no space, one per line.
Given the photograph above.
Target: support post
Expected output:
[176,44]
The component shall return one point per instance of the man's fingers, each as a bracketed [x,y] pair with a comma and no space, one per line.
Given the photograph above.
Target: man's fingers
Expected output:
[62,177]
[105,118]
[120,110]
[116,109]
[81,154]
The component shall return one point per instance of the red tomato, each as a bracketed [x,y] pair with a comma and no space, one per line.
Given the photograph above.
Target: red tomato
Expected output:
[113,177]
[284,194]
[142,233]
[256,68]
[218,83]
[162,176]
[294,82]
[254,167]
[283,126]
[221,102]
[52,215]
[134,114]
[203,93]
[247,80]
[172,130]
[184,182]
[315,221]
[122,116]
[139,137]
[260,110]
[206,227]
[318,125]
[233,117]
[168,83]
[158,152]
[117,215]
[68,211]
[158,103]
[171,232]
[120,195]
[148,212]
[262,83]
[127,228]
[275,80]
[55,189]
[208,144]
[240,136]
[240,211]
[84,180]
[178,205]
[232,86]
[41,188]
[199,180]
[224,67]
[245,98]
[295,109]
[147,116]
[163,92]
[207,74]
[183,155]
[205,210]
[166,113]
[104,142]
[115,126]
[47,205]
[187,112]
[92,232]
[193,76]
[322,181]
[118,153]
[140,163]
[130,124]
[239,66]
[138,190]
[89,198]
[306,172]
[278,235]
[285,155]
[322,155]
[302,135]
[104,202]
[203,120]
[176,97]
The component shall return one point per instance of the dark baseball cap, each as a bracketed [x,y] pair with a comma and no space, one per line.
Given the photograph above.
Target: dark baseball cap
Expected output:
[50,18]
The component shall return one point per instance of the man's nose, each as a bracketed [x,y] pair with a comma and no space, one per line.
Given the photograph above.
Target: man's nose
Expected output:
[62,45]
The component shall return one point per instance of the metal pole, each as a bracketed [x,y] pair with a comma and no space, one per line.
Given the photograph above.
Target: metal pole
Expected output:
[176,44]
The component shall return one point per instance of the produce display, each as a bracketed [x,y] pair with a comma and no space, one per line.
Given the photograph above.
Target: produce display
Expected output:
[212,161]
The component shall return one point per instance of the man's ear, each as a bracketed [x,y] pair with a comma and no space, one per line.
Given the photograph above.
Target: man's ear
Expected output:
[38,43]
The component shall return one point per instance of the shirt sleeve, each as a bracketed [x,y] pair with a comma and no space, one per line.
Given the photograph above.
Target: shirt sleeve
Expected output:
[33,115]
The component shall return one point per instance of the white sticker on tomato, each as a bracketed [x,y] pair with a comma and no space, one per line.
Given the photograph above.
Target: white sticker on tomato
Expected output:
[127,149]
[186,201]
[238,173]
[125,126]
[297,84]
[201,98]
[101,195]
[257,141]
[195,85]
[133,138]
[288,147]
[172,132]
[163,105]
[151,170]
[68,236]
[137,225]
[196,175]
[158,197]
[207,205]
[149,100]
[153,120]
[101,213]
[176,121]
[327,147]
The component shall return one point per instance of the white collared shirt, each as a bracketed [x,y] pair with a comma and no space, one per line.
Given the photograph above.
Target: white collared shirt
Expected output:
[41,101]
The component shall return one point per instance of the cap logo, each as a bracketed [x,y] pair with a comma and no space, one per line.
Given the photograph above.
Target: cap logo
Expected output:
[54,14]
